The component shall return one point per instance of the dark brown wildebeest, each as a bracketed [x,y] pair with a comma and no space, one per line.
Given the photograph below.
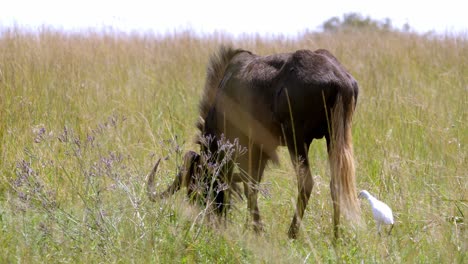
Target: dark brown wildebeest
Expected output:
[265,102]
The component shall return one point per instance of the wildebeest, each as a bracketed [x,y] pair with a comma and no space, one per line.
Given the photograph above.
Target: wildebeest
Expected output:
[264,102]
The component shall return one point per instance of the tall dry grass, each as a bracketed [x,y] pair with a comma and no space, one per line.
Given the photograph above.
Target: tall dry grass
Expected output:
[84,116]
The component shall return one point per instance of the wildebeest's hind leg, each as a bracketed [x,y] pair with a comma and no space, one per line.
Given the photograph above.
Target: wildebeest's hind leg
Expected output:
[305,183]
[253,163]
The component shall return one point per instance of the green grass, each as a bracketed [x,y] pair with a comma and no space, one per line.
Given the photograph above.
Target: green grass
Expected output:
[83,117]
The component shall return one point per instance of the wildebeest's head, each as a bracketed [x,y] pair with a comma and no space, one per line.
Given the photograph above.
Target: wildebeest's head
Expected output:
[186,177]
[202,187]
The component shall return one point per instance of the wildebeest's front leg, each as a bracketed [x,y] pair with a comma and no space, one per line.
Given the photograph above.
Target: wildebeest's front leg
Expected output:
[298,151]
[253,164]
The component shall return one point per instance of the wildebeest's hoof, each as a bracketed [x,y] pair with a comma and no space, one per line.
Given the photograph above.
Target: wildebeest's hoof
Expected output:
[292,233]
[258,228]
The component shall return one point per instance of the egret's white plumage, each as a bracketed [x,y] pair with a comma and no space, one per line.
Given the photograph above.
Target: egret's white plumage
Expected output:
[382,213]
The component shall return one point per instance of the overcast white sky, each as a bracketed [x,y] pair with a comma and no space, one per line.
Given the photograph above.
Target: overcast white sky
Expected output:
[287,17]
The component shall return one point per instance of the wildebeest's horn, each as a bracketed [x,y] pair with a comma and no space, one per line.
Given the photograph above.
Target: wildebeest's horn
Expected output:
[150,191]
[182,179]
[150,188]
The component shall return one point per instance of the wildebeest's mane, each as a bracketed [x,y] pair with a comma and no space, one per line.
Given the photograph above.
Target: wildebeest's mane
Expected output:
[214,75]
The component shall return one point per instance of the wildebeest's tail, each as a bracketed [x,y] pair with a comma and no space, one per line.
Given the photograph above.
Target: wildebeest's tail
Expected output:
[217,66]
[341,158]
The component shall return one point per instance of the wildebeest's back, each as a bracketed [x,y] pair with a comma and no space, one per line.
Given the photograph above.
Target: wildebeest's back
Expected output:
[307,82]
[321,68]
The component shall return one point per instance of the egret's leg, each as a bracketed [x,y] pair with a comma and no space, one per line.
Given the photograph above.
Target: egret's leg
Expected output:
[390,231]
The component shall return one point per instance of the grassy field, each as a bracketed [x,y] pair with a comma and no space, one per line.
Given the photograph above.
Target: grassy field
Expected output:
[83,117]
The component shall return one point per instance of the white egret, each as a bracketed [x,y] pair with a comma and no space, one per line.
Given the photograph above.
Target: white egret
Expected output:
[382,213]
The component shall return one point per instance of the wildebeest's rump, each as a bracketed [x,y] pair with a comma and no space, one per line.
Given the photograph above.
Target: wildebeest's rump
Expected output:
[279,100]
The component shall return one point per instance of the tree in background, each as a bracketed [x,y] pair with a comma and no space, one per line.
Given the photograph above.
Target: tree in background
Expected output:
[355,21]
